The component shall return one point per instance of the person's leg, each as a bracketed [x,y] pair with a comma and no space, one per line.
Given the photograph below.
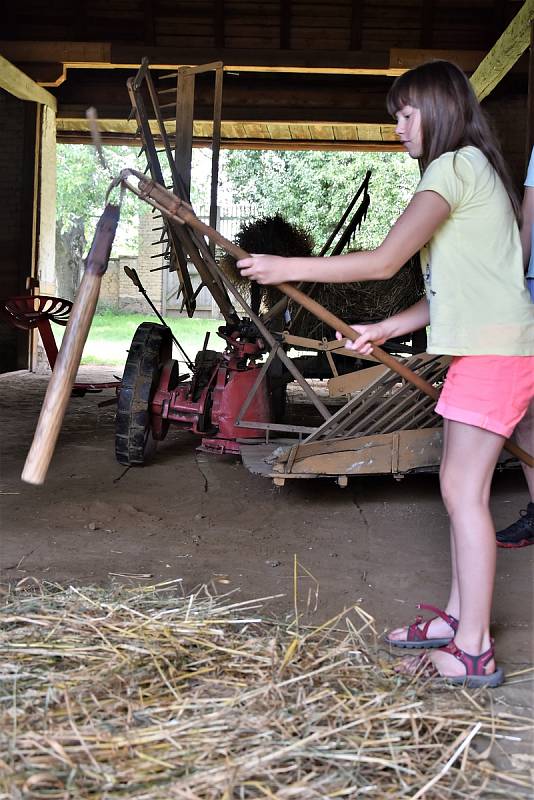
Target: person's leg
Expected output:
[521,532]
[438,627]
[466,474]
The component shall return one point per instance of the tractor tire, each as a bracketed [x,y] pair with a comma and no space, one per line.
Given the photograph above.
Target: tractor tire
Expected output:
[151,347]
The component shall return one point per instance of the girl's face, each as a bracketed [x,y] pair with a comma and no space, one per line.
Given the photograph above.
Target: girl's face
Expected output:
[408,129]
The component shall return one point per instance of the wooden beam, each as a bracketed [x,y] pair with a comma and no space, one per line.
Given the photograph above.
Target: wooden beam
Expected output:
[340,134]
[45,74]
[506,51]
[20,85]
[130,139]
[402,59]
[103,55]
[93,55]
[238,114]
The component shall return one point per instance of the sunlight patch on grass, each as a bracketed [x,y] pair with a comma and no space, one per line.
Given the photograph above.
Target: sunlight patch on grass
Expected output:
[111,334]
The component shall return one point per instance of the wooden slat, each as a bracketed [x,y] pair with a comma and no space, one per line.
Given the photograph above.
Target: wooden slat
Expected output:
[324,132]
[149,22]
[219,23]
[278,130]
[345,132]
[356,24]
[300,132]
[369,132]
[185,96]
[285,24]
[427,23]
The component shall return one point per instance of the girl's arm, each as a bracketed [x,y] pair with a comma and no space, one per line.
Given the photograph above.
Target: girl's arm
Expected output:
[411,319]
[416,225]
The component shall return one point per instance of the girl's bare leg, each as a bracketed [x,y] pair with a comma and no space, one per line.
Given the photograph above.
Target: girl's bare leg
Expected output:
[466,473]
[438,628]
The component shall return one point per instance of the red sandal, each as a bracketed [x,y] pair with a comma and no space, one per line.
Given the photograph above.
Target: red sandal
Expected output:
[416,636]
[475,675]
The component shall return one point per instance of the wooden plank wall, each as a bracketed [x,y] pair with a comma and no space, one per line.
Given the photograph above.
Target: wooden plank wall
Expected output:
[315,25]
[17,162]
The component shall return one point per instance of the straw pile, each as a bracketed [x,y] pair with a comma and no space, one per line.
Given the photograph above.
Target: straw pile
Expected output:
[144,694]
[266,235]
[362,301]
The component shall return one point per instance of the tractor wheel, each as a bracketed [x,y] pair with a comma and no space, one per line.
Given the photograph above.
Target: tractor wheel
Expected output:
[150,349]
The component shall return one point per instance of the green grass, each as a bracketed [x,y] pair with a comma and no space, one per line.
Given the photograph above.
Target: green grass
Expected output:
[111,334]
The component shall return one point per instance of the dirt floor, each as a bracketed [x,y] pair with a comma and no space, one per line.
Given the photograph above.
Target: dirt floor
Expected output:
[206,519]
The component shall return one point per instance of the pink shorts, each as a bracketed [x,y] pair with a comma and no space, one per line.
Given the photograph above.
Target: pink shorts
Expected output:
[491,392]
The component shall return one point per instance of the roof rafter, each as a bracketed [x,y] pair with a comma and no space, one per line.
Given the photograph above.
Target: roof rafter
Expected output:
[508,48]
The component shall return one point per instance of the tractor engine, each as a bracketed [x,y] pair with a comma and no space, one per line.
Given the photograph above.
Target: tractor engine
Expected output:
[154,395]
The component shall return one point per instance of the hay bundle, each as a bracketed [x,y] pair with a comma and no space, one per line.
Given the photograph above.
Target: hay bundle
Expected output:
[272,235]
[365,301]
[144,694]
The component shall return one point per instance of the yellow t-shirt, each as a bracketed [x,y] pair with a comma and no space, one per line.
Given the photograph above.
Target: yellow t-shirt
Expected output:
[473,266]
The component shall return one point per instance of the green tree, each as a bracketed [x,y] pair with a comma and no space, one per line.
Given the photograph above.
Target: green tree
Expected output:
[82,184]
[313,188]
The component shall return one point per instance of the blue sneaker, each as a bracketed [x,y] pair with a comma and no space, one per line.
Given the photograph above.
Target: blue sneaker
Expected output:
[520,533]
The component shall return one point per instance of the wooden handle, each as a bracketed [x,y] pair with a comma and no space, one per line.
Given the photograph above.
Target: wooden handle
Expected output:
[182,212]
[60,386]
[68,360]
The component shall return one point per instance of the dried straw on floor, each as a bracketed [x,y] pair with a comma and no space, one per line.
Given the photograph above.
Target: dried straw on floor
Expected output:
[141,693]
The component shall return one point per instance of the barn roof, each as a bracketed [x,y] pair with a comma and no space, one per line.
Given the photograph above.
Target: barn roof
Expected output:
[297,73]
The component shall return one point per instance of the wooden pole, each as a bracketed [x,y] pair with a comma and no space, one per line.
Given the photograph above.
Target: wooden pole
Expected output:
[68,360]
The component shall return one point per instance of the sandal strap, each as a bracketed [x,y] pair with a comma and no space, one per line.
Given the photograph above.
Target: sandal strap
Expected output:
[448,618]
[418,634]
[474,665]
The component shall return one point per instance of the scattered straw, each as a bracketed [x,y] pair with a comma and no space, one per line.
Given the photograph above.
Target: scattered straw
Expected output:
[142,693]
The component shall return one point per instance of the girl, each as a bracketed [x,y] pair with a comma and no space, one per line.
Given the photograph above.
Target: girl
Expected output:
[463,220]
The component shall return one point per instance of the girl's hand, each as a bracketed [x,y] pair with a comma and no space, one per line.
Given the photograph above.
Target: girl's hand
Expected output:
[264,269]
[376,333]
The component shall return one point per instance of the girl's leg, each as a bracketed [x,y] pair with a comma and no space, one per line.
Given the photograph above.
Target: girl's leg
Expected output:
[438,628]
[466,473]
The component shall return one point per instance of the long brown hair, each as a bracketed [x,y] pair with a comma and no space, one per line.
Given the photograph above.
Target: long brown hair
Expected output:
[451,116]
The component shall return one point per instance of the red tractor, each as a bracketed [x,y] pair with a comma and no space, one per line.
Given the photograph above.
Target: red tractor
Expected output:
[154,395]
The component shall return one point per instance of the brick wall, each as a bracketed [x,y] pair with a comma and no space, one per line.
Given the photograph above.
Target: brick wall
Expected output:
[130,299]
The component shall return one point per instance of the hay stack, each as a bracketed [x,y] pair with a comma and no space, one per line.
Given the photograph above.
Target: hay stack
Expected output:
[272,235]
[145,694]
[363,301]
[366,301]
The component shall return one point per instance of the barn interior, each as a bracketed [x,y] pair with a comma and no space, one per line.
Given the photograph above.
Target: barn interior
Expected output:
[276,74]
